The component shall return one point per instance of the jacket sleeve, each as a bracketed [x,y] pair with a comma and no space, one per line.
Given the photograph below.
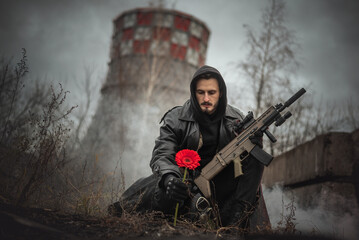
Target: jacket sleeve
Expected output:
[166,147]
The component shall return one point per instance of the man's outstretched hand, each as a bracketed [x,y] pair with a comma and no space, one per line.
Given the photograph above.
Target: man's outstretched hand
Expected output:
[175,189]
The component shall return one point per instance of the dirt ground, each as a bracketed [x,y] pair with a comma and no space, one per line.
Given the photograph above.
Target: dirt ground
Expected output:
[35,223]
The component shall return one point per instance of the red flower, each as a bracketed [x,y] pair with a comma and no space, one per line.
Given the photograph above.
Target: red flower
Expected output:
[188,159]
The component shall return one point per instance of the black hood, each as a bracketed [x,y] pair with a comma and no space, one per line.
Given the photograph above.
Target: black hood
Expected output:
[221,109]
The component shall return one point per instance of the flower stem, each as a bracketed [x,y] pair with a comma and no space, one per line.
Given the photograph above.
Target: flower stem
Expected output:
[177,205]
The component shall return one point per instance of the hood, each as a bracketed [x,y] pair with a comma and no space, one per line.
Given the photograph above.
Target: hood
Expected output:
[221,109]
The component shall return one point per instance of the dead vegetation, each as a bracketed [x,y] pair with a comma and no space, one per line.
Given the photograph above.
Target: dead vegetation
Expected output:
[39,166]
[268,74]
[33,134]
[153,225]
[38,170]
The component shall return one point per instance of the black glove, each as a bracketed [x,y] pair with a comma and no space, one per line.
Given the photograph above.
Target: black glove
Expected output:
[175,189]
[257,138]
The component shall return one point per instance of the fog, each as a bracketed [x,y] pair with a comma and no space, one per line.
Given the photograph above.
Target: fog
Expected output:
[63,38]
[311,220]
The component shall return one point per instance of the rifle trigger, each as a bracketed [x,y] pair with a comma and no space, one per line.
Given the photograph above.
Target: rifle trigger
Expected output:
[237,167]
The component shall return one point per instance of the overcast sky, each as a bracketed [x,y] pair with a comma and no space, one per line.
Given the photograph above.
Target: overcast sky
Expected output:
[61,37]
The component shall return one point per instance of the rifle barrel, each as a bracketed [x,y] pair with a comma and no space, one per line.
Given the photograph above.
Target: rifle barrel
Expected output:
[294,97]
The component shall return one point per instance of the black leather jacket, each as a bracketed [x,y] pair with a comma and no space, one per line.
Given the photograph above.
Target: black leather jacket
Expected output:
[181,131]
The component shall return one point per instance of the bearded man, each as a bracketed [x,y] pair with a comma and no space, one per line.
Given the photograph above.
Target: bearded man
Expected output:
[206,124]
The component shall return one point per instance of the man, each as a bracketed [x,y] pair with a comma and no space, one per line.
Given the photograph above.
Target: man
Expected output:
[205,123]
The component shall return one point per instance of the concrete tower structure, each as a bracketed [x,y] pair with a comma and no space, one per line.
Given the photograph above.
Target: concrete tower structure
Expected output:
[154,54]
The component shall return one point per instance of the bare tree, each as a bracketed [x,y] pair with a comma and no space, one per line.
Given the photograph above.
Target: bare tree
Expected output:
[12,81]
[86,88]
[271,58]
[269,67]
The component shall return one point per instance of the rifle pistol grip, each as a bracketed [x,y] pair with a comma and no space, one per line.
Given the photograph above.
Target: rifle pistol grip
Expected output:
[237,167]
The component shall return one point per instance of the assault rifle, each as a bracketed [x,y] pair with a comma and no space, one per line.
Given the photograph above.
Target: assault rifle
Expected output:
[241,146]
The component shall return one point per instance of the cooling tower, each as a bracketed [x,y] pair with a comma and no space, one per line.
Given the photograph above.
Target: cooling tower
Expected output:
[154,54]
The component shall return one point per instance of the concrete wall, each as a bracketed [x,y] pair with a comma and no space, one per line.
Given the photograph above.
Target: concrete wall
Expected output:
[323,171]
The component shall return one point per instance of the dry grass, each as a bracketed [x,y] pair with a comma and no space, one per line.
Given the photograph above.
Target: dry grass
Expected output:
[36,169]
[38,164]
[33,133]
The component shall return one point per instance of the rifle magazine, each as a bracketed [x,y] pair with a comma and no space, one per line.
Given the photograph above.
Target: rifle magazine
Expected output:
[261,155]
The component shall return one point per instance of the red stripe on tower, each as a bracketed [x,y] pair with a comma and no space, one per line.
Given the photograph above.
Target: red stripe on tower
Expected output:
[182,23]
[178,52]
[127,34]
[194,43]
[141,46]
[163,34]
[205,35]
[144,18]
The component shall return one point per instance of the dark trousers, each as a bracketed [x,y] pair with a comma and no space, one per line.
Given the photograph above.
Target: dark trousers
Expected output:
[242,201]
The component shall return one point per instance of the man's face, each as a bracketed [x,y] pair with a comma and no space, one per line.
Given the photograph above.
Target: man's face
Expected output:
[207,94]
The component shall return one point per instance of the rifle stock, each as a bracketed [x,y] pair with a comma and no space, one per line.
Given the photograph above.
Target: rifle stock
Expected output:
[241,146]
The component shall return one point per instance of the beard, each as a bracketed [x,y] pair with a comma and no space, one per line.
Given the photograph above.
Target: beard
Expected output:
[208,108]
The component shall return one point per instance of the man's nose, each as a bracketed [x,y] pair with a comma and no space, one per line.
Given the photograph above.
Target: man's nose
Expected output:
[206,98]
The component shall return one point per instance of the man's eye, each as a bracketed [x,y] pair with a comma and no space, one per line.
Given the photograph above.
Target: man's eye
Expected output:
[211,92]
[200,92]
